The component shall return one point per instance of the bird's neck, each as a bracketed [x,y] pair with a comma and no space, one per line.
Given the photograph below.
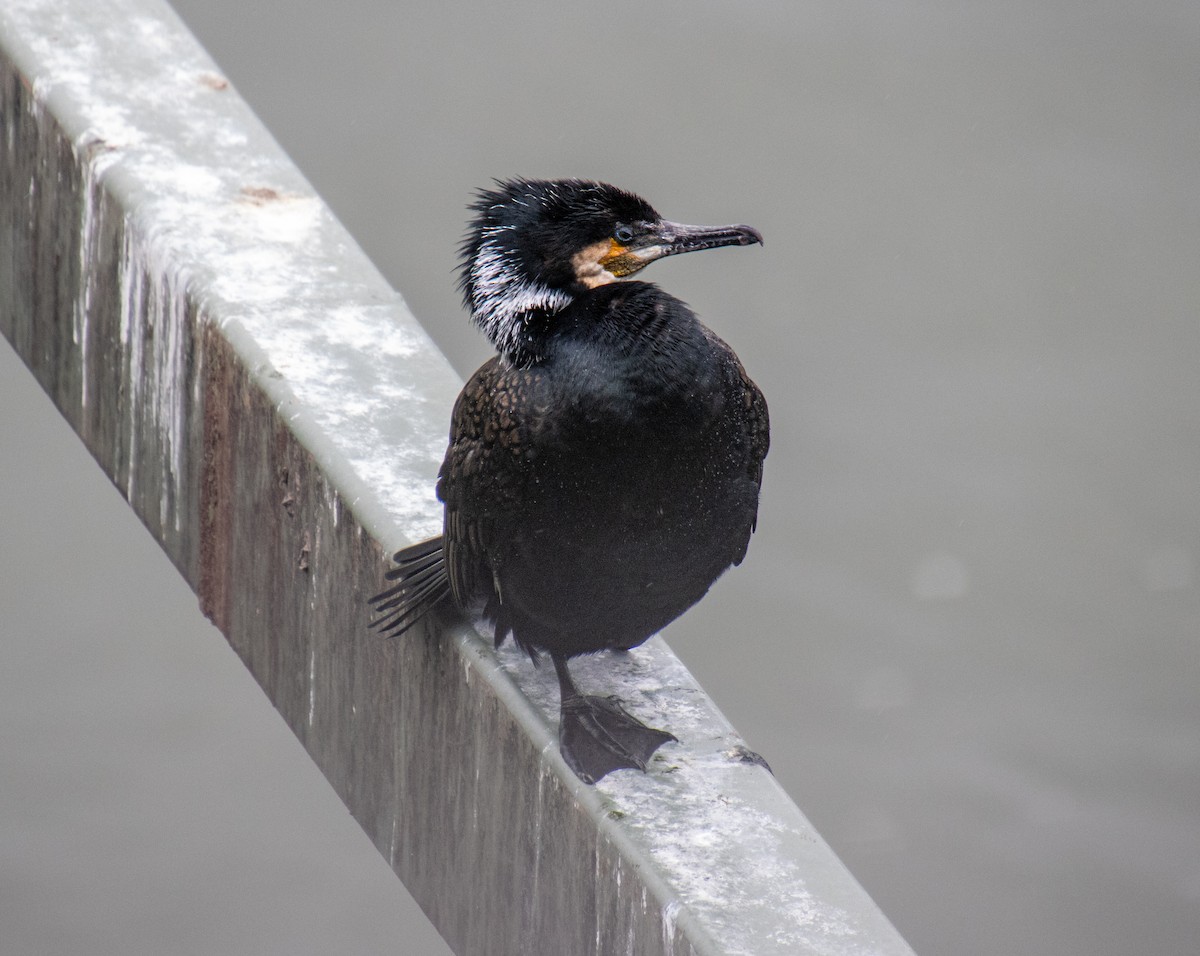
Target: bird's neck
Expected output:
[511,309]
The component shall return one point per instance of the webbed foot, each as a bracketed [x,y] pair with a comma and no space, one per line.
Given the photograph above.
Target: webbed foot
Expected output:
[597,735]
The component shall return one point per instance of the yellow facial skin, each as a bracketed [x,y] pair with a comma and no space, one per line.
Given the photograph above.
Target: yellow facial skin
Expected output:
[606,261]
[610,259]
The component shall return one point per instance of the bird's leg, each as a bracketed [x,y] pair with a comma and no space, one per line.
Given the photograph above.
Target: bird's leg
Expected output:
[596,735]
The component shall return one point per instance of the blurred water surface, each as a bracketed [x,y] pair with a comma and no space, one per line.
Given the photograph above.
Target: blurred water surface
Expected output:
[967,636]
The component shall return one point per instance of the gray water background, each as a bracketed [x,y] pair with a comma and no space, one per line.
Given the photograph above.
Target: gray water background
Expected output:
[967,636]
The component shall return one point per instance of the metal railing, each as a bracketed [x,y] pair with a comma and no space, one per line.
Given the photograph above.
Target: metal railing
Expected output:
[275,416]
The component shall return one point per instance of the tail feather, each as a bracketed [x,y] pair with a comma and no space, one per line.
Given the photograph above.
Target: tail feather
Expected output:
[421,585]
[413,578]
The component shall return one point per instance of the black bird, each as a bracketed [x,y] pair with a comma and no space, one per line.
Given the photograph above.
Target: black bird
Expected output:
[604,468]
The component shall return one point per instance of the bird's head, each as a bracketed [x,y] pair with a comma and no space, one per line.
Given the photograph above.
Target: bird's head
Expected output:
[534,245]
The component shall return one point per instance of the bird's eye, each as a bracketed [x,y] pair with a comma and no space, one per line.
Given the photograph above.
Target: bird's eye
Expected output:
[623,233]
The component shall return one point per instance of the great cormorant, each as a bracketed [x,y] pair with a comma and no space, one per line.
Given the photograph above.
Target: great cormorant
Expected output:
[604,468]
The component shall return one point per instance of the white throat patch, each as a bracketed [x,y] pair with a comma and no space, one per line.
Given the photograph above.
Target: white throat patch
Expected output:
[503,300]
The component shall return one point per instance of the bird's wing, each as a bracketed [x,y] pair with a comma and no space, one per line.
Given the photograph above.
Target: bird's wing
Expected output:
[756,425]
[759,424]
[483,473]
[754,420]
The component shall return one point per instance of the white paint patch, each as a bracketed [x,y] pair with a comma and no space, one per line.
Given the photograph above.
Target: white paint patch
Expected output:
[670,913]
[132,283]
[95,161]
[154,339]
[312,686]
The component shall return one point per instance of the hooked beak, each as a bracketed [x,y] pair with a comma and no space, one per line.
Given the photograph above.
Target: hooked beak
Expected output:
[665,238]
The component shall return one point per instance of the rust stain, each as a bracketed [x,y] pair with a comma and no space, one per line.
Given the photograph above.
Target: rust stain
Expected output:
[262,195]
[216,483]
